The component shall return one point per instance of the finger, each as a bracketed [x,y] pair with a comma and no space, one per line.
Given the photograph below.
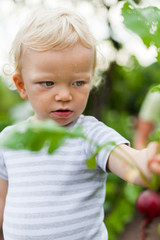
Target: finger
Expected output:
[153,148]
[154,158]
[154,165]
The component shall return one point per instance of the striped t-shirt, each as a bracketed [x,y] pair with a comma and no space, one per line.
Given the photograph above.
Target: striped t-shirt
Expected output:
[56,197]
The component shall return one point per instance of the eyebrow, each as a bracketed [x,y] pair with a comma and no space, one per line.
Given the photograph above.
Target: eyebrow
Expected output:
[53,77]
[41,78]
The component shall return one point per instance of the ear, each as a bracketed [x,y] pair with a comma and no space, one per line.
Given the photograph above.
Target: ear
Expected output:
[20,86]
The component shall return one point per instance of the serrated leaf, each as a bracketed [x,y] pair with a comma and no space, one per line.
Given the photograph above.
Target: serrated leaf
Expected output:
[36,135]
[145,22]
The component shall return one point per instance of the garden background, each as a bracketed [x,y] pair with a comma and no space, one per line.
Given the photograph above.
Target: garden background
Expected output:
[129,69]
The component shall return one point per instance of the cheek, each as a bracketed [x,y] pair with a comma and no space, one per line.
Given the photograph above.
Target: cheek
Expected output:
[38,101]
[82,99]
[86,94]
[35,95]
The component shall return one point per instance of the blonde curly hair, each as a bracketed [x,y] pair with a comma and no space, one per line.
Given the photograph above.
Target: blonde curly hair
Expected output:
[46,29]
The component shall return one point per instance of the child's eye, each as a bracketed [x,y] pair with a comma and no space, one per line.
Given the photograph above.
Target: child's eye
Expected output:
[78,83]
[48,83]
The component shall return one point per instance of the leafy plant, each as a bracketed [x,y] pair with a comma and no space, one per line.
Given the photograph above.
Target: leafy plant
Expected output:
[36,135]
[119,211]
[46,134]
[145,22]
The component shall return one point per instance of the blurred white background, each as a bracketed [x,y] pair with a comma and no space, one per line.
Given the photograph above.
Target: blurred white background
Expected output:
[12,13]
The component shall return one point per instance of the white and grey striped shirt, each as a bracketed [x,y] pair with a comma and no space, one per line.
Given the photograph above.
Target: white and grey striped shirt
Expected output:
[56,197]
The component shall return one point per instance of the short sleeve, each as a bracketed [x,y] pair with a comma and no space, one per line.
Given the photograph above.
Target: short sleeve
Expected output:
[3,170]
[101,134]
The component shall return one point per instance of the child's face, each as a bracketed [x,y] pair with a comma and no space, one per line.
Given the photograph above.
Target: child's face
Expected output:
[57,83]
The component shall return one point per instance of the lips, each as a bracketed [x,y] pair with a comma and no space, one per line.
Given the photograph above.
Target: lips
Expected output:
[62,113]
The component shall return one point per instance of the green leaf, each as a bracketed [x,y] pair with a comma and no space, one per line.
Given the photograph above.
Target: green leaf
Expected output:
[145,22]
[36,135]
[91,162]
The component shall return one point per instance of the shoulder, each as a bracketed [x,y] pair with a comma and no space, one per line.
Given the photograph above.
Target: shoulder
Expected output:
[97,130]
[91,124]
[89,121]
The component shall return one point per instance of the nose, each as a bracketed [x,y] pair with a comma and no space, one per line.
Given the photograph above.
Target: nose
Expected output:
[63,94]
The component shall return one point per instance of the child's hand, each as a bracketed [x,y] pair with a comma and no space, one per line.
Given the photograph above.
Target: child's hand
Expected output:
[154,162]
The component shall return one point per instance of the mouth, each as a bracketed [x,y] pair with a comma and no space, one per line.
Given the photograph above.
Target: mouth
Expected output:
[62,113]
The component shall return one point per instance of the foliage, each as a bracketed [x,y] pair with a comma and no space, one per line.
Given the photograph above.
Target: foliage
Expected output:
[8,100]
[129,85]
[91,162]
[119,210]
[122,122]
[145,22]
[34,136]
[37,135]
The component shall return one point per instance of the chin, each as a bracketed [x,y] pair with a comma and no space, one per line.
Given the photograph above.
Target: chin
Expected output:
[63,123]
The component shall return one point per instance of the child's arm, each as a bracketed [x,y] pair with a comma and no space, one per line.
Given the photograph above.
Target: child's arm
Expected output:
[3,193]
[117,162]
